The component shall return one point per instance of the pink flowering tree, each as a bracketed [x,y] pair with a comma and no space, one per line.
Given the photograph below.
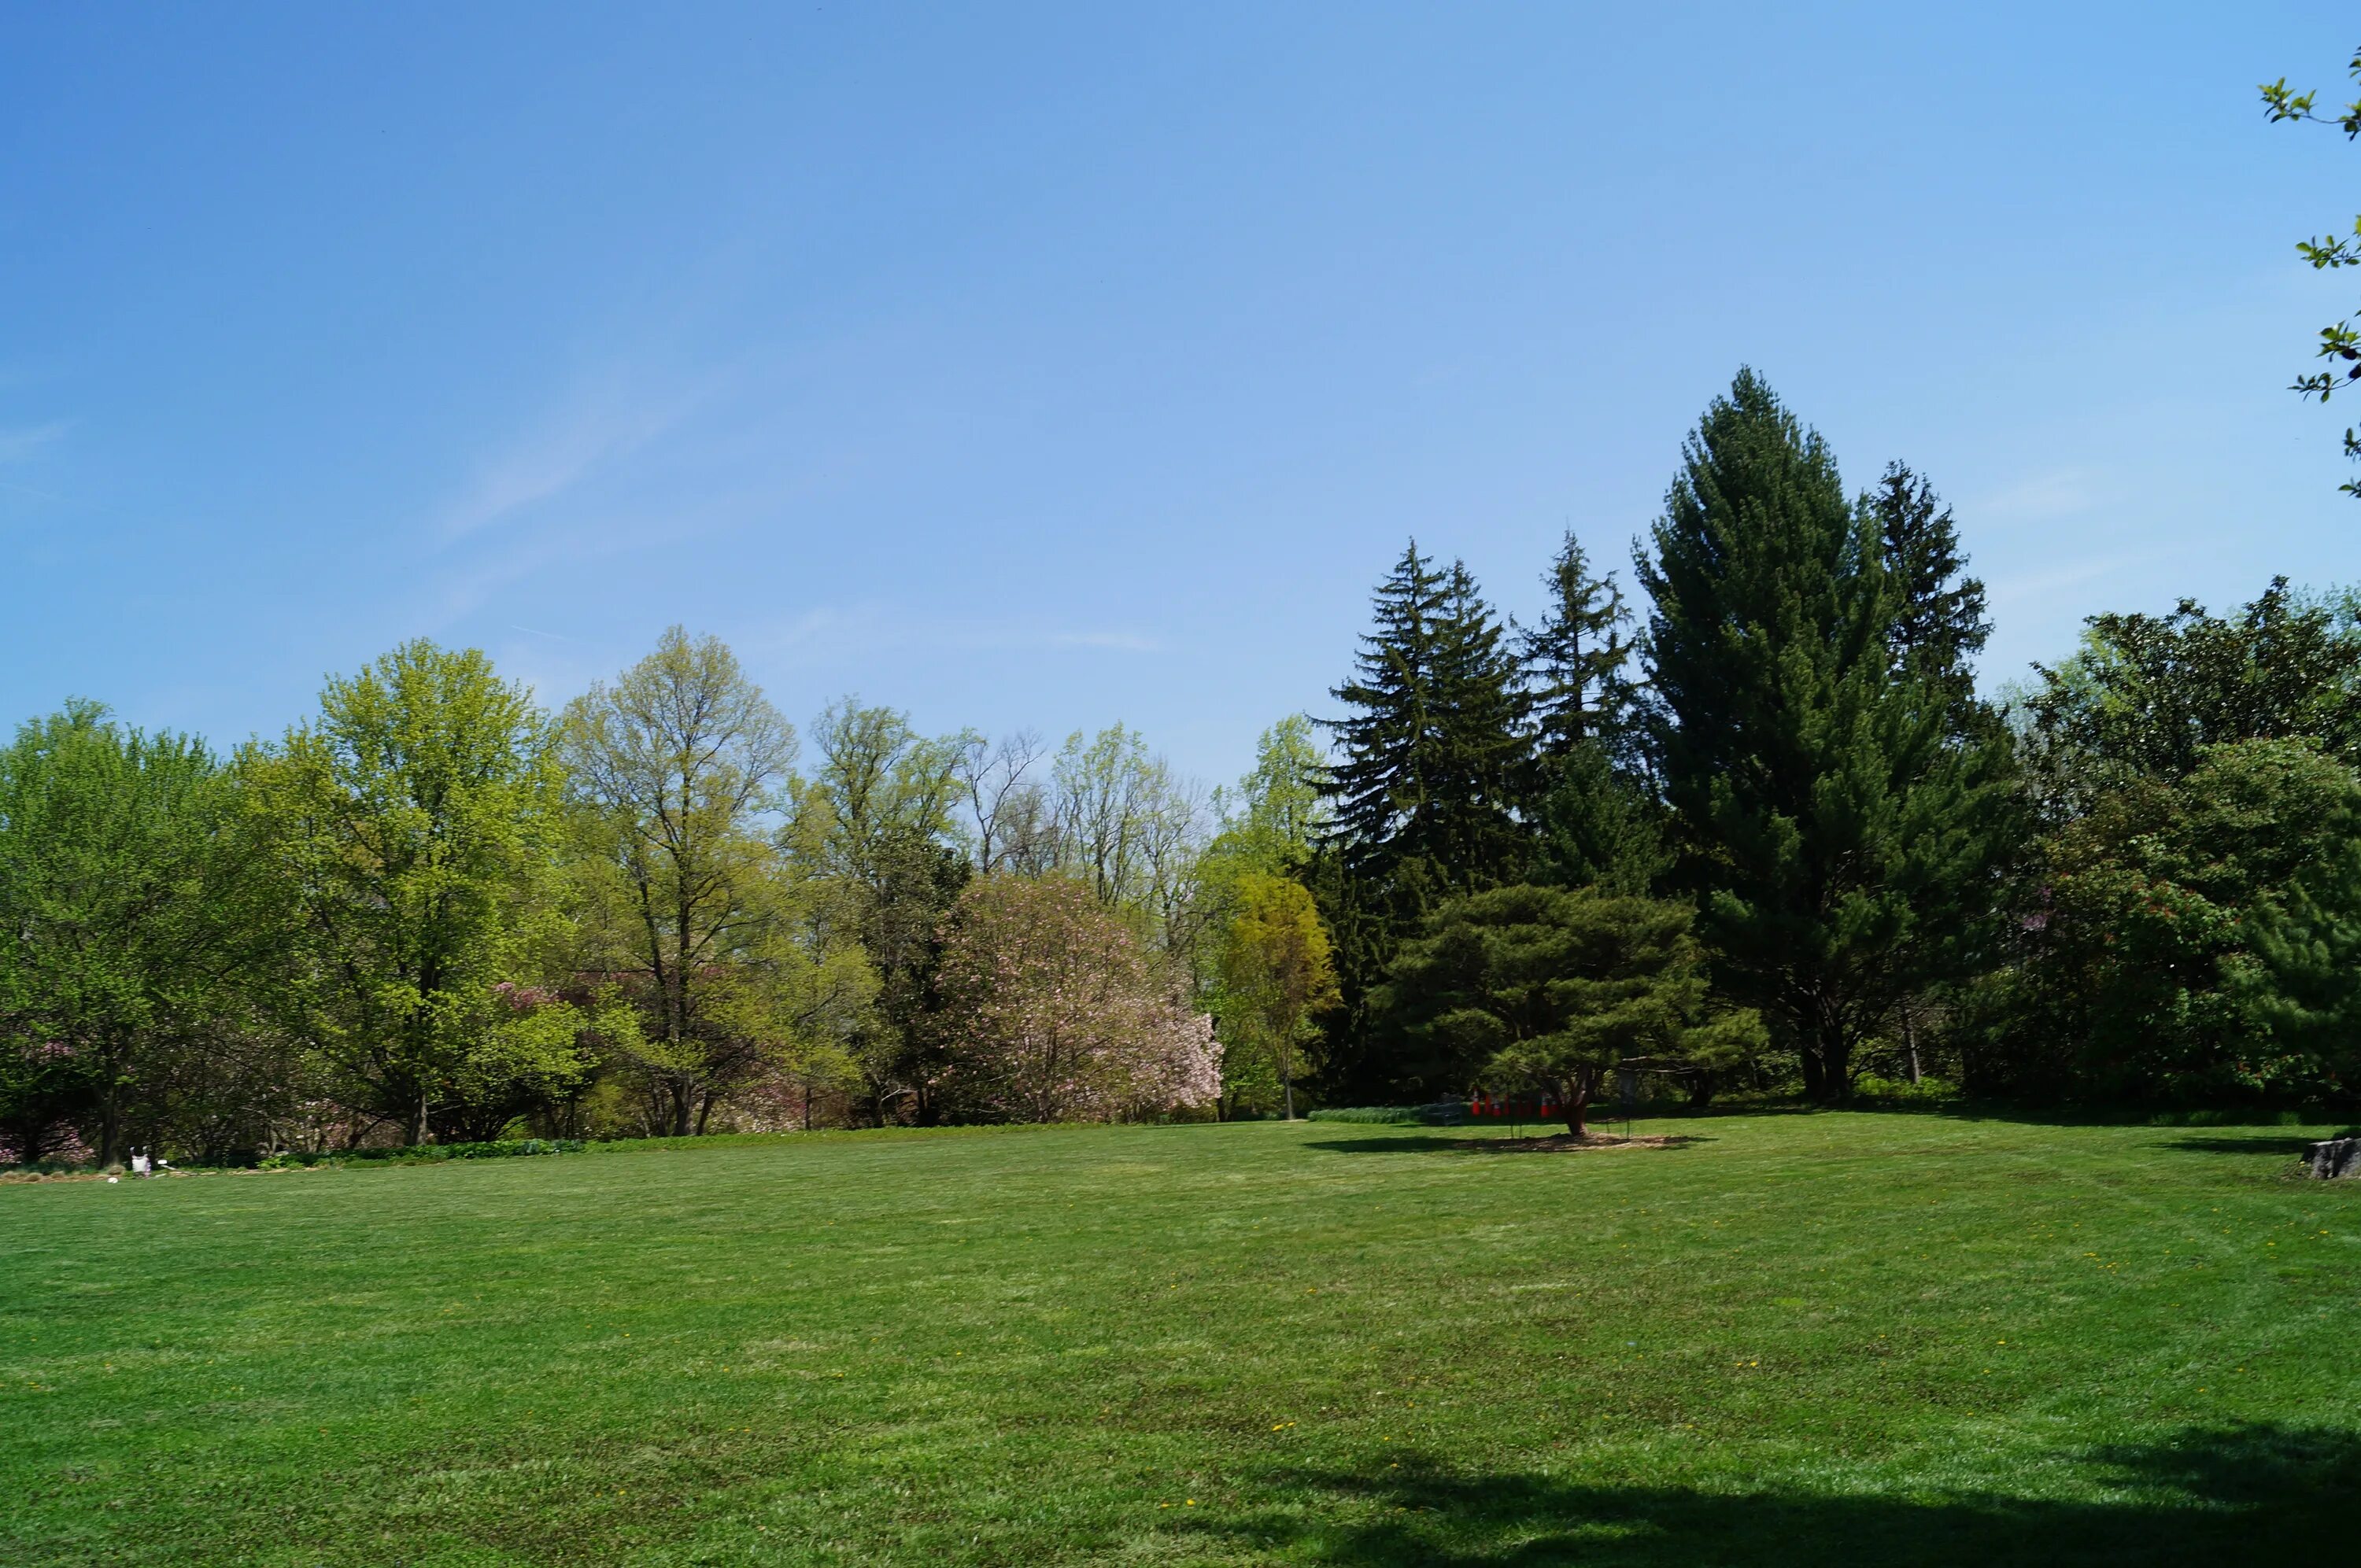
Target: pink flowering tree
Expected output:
[1053,1010]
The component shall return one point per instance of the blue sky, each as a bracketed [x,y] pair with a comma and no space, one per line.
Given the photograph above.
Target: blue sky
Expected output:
[1046,367]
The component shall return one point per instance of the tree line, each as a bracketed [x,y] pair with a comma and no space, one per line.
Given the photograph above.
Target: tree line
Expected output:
[1758,830]
[1766,831]
[435,911]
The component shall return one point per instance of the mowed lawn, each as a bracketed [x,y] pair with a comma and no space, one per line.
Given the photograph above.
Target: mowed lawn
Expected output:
[1809,1339]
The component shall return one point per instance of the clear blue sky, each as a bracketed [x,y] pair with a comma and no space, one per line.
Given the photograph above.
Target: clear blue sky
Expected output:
[1050,366]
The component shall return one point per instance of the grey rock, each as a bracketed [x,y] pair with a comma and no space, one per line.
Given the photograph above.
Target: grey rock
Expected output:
[2335,1157]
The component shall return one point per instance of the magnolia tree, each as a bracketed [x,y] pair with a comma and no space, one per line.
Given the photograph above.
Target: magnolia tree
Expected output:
[1053,1010]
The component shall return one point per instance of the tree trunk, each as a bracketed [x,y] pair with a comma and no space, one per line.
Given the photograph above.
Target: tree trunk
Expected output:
[1836,1067]
[1910,1042]
[110,1125]
[1577,1103]
[1287,1079]
[1701,1088]
[416,1131]
[1827,1059]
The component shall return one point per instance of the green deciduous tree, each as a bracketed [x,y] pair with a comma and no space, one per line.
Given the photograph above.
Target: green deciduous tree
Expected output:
[416,824]
[1130,828]
[1274,817]
[2177,931]
[2303,985]
[135,902]
[679,769]
[2147,695]
[1276,976]
[1832,834]
[876,823]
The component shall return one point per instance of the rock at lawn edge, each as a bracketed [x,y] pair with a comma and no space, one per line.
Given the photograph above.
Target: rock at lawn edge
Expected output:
[2335,1157]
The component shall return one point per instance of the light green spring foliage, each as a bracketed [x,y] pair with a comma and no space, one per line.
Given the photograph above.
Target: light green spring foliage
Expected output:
[1262,953]
[879,786]
[1276,813]
[1276,977]
[873,839]
[416,823]
[680,770]
[1132,828]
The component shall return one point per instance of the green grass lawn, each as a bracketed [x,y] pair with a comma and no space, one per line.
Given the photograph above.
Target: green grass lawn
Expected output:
[1808,1339]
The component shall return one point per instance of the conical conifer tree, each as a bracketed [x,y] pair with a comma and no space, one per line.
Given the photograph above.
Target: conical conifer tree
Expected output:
[1938,625]
[1819,817]
[1577,660]
[1425,786]
[1484,746]
[1432,753]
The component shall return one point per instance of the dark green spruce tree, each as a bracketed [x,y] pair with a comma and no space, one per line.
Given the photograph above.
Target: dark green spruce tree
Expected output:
[1577,661]
[1939,625]
[1599,827]
[1593,813]
[1835,836]
[1433,760]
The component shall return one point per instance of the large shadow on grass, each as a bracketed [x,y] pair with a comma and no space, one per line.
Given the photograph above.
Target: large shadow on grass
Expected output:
[2278,1146]
[2256,1494]
[1457,1141]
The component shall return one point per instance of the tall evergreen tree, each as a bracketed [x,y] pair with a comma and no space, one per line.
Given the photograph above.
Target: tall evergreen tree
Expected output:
[1598,828]
[1486,749]
[1426,783]
[1593,812]
[1577,660]
[1432,759]
[1938,625]
[1828,831]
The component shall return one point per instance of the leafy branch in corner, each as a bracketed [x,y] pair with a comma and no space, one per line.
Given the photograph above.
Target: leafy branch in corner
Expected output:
[2341,342]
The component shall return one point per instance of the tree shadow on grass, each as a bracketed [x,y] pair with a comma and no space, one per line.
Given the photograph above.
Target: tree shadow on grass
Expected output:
[1436,1142]
[1453,1142]
[2251,1494]
[2129,1116]
[2280,1146]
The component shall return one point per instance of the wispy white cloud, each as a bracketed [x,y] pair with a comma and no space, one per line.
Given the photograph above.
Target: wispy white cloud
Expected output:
[869,625]
[18,443]
[602,424]
[491,576]
[2067,575]
[2040,498]
[1118,641]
